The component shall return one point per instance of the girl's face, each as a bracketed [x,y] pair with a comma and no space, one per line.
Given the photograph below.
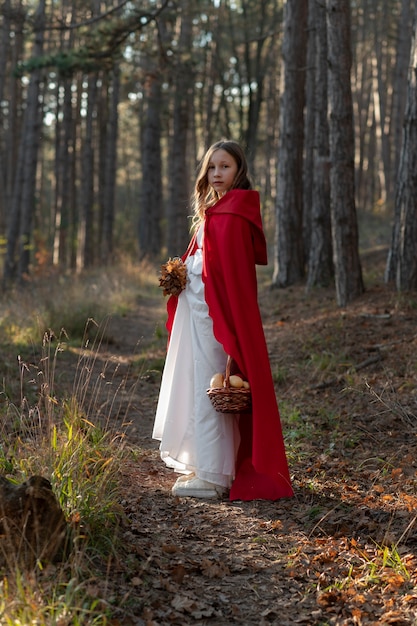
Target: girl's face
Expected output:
[221,172]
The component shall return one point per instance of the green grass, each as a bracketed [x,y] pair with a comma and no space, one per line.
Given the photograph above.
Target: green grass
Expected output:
[62,439]
[56,439]
[383,565]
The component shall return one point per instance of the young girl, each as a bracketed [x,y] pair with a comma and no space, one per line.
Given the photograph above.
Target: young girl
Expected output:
[217,315]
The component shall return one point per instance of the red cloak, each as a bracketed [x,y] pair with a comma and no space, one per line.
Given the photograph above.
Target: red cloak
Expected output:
[233,244]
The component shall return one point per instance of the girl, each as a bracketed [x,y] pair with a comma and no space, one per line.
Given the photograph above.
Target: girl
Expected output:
[218,315]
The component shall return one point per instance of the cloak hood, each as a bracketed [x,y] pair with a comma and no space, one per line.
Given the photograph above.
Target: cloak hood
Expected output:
[245,204]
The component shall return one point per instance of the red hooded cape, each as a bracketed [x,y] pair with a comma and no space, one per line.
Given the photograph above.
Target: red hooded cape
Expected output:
[233,244]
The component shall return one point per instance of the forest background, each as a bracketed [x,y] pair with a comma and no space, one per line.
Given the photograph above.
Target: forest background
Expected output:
[108,106]
[106,109]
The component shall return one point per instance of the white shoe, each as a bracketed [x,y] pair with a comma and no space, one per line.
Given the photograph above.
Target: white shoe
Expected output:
[197,488]
[185,477]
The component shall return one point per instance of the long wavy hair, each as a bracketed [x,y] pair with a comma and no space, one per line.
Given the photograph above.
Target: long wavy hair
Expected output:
[205,196]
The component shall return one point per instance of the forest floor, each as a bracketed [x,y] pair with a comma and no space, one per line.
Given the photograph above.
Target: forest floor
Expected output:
[344,549]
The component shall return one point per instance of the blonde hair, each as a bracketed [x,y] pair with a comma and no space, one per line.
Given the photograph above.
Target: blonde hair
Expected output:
[205,196]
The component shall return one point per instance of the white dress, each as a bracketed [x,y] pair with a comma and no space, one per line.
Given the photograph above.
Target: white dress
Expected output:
[194,437]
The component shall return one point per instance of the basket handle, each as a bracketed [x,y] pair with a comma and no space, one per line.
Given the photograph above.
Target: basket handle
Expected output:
[228,368]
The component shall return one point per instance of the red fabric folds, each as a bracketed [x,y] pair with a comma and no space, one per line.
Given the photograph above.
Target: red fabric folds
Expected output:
[233,244]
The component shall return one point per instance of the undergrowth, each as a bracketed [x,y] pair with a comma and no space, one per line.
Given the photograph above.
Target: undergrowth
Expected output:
[346,539]
[62,439]
[58,302]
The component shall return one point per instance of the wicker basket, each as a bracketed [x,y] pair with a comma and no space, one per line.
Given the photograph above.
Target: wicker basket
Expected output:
[229,399]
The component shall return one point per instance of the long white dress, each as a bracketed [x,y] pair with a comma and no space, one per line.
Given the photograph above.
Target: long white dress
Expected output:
[194,437]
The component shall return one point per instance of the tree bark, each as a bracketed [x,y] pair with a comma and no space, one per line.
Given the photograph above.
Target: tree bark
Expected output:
[399,91]
[309,125]
[63,183]
[151,201]
[406,195]
[179,192]
[15,115]
[23,205]
[399,98]
[64,155]
[86,240]
[256,69]
[110,168]
[348,273]
[5,36]
[320,262]
[288,249]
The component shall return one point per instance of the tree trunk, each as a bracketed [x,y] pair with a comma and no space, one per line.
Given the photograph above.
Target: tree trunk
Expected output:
[406,196]
[363,114]
[266,175]
[15,114]
[86,241]
[20,226]
[288,249]
[256,69]
[348,273]
[381,64]
[309,125]
[64,155]
[5,36]
[399,97]
[110,168]
[31,139]
[179,193]
[151,203]
[399,91]
[320,263]
[207,102]
[76,168]
[64,158]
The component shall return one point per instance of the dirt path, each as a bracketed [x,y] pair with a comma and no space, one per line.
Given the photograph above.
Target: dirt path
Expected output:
[343,550]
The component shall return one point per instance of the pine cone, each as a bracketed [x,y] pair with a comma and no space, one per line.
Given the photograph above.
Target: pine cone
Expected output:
[173,277]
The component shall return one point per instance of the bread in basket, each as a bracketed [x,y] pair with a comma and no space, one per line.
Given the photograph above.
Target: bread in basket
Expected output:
[228,399]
